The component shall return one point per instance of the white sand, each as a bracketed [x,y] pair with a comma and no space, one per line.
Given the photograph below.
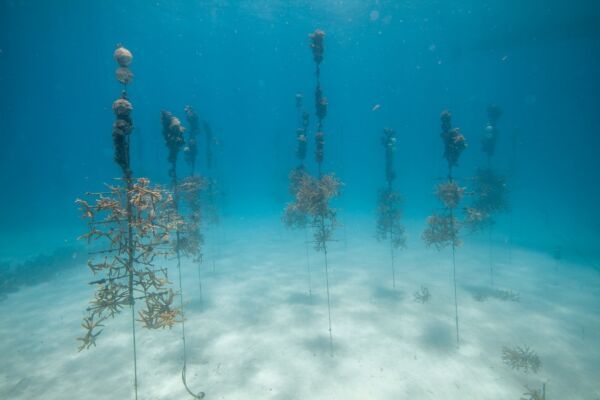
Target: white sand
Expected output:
[259,335]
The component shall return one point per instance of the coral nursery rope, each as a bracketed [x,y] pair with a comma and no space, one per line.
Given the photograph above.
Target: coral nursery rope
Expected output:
[199,395]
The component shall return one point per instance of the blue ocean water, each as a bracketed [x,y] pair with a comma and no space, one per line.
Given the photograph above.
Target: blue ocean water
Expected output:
[241,63]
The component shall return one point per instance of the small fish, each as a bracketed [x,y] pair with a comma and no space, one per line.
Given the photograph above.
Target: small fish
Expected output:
[376,107]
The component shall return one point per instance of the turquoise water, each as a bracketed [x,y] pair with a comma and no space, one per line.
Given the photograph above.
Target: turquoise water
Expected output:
[240,65]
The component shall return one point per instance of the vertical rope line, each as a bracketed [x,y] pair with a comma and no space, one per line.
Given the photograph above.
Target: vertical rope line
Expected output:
[454,265]
[200,260]
[308,262]
[130,255]
[200,286]
[178,253]
[328,300]
[490,256]
[200,395]
[454,279]
[135,380]
[392,258]
[455,296]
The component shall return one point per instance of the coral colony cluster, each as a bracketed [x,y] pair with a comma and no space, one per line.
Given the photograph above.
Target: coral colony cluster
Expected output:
[489,187]
[211,191]
[443,227]
[190,190]
[389,204]
[521,358]
[133,221]
[191,148]
[312,195]
[187,231]
[135,225]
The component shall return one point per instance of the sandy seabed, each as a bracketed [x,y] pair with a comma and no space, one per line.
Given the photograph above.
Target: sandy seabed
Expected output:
[256,332]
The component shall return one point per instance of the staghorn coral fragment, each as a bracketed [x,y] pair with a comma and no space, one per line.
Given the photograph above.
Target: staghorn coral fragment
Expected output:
[483,294]
[151,220]
[521,358]
[422,295]
[490,197]
[449,193]
[89,338]
[389,215]
[311,206]
[442,231]
[443,228]
[190,238]
[191,148]
[389,203]
[535,394]
[477,219]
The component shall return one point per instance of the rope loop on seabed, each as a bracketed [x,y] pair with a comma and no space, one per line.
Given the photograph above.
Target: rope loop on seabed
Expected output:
[199,395]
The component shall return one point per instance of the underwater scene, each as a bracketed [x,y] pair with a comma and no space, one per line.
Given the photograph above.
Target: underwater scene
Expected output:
[271,199]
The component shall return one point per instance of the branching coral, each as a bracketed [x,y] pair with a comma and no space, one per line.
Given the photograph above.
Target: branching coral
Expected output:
[389,214]
[491,197]
[422,295]
[312,195]
[449,193]
[191,148]
[490,192]
[212,190]
[442,231]
[521,358]
[190,236]
[389,202]
[187,231]
[484,293]
[132,222]
[443,228]
[173,135]
[535,394]
[454,141]
[311,205]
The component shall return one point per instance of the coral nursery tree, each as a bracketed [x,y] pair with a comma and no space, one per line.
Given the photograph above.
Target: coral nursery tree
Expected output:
[389,203]
[211,193]
[130,223]
[187,230]
[299,219]
[490,192]
[313,195]
[212,190]
[190,189]
[443,226]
